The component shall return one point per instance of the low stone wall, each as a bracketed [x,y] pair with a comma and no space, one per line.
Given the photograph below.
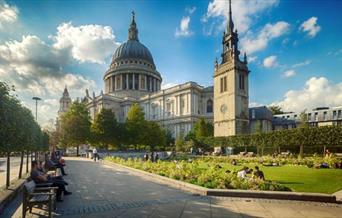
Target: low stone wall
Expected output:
[299,196]
[7,195]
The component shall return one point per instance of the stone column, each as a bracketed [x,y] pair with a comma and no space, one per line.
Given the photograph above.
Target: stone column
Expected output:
[188,103]
[110,84]
[139,81]
[113,83]
[151,78]
[145,82]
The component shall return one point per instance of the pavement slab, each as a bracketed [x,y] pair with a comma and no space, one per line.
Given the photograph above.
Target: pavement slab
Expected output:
[105,191]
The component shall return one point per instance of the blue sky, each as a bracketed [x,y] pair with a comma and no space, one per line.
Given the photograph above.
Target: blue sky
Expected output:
[294,47]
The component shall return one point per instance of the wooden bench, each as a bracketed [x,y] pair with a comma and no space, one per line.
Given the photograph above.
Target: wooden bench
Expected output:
[33,195]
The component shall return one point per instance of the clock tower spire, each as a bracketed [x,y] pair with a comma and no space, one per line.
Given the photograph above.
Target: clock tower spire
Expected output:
[231,86]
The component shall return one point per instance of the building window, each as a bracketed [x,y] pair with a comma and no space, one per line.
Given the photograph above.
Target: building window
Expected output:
[168,109]
[136,81]
[124,83]
[223,84]
[334,115]
[118,81]
[339,114]
[316,116]
[148,83]
[142,82]
[130,81]
[253,114]
[209,106]
[324,115]
[242,82]
[309,116]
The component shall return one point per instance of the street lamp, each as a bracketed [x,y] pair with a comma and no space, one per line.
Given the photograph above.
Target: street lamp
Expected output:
[36,99]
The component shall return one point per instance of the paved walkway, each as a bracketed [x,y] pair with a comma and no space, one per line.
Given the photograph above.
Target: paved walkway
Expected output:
[103,191]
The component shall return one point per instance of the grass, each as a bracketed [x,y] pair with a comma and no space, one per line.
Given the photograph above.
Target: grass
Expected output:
[300,178]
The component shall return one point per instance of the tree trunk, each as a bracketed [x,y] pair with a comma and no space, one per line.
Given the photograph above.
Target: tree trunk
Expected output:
[27,162]
[77,150]
[301,151]
[8,172]
[324,149]
[21,164]
[262,151]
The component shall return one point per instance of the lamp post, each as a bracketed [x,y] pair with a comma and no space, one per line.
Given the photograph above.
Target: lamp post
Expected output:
[36,99]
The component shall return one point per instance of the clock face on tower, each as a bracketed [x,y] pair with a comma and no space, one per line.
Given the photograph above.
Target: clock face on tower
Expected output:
[223,108]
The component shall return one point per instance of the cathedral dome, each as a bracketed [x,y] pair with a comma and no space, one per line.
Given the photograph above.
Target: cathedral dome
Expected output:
[133,49]
[132,72]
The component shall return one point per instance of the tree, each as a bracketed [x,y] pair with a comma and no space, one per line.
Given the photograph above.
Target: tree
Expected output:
[135,125]
[170,140]
[302,132]
[180,143]
[275,109]
[19,132]
[105,128]
[75,125]
[154,135]
[203,128]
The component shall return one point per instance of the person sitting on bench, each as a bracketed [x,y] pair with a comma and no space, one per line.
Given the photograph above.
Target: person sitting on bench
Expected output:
[40,167]
[40,177]
[51,163]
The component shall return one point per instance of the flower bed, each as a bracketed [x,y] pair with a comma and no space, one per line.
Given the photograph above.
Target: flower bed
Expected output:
[195,173]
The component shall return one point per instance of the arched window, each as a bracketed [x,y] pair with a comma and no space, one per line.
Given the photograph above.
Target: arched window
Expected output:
[209,106]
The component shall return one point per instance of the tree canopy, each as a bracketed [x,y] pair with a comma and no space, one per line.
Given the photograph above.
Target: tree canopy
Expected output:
[75,125]
[105,129]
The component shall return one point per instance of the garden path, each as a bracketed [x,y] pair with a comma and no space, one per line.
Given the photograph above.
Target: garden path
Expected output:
[104,191]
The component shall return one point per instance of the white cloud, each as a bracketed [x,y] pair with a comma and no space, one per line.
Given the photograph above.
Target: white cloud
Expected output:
[270,61]
[317,91]
[251,59]
[255,104]
[289,73]
[244,12]
[310,26]
[190,10]
[250,44]
[8,14]
[37,69]
[301,64]
[87,43]
[183,29]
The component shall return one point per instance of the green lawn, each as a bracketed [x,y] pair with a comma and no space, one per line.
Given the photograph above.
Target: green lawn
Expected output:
[301,178]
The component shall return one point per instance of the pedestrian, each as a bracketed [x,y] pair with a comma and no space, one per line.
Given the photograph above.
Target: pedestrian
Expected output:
[94,154]
[152,156]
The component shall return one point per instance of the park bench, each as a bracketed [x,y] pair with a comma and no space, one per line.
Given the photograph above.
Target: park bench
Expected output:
[33,195]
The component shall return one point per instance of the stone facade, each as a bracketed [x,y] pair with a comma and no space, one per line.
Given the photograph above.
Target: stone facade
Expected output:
[64,102]
[231,87]
[321,116]
[133,78]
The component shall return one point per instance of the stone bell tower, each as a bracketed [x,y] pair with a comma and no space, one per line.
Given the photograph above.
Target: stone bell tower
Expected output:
[230,86]
[64,102]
